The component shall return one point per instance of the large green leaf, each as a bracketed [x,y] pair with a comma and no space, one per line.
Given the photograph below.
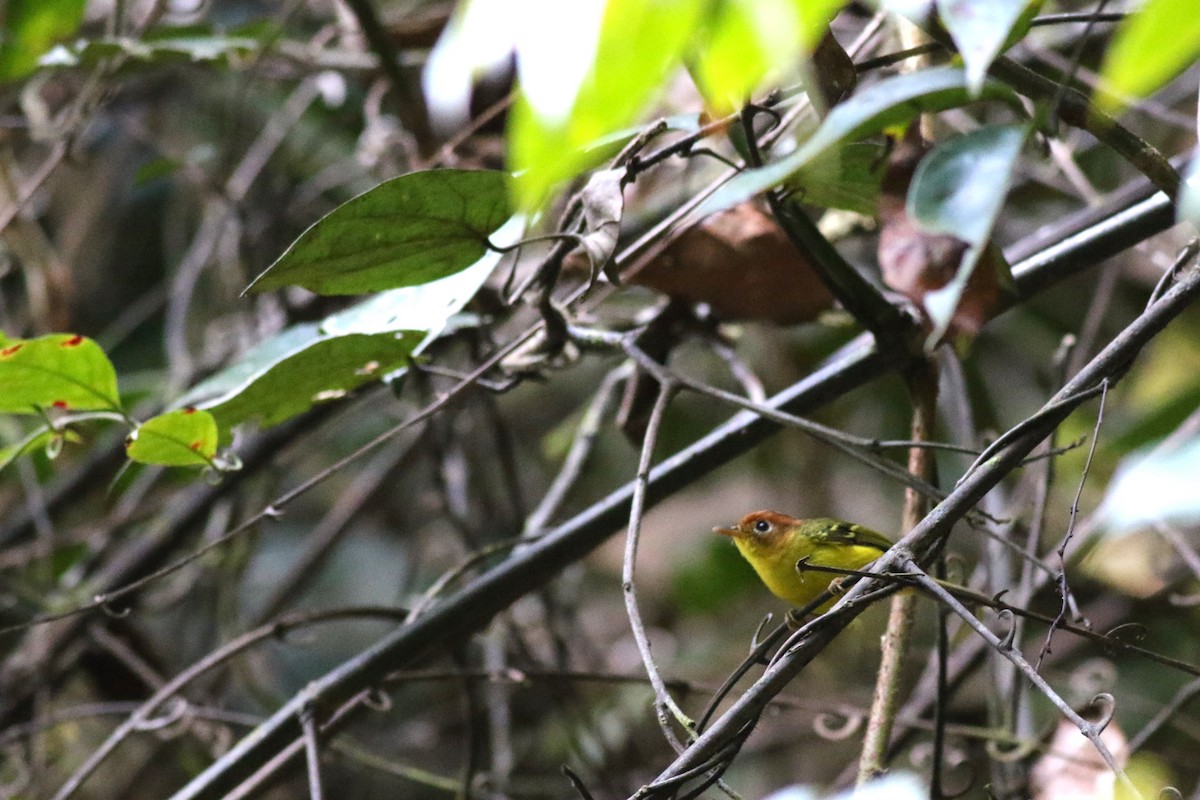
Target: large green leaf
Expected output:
[28,28]
[980,29]
[747,40]
[1149,48]
[301,367]
[848,177]
[959,189]
[888,103]
[405,232]
[640,42]
[313,363]
[186,437]
[61,371]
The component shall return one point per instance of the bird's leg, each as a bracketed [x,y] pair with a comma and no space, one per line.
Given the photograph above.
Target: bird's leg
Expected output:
[797,617]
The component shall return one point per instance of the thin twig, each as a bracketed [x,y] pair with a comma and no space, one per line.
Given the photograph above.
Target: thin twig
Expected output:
[1064,588]
[410,106]
[810,639]
[1089,729]
[171,688]
[1182,697]
[855,447]
[577,457]
[664,703]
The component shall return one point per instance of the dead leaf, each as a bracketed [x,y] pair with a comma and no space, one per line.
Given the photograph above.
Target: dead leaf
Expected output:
[836,76]
[742,264]
[603,205]
[919,264]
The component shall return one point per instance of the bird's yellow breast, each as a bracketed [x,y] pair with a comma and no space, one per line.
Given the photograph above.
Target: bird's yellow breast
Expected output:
[778,570]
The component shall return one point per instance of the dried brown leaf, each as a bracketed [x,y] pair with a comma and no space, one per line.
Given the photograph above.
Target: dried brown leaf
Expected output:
[742,264]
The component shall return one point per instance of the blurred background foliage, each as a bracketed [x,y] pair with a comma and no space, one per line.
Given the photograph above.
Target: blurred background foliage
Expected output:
[165,154]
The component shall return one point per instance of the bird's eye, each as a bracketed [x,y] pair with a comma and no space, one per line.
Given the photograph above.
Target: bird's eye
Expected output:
[762,526]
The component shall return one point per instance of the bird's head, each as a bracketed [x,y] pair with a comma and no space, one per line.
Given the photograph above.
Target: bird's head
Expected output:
[762,530]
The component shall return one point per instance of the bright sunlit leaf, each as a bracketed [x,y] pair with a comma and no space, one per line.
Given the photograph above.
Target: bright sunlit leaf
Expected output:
[62,371]
[1150,47]
[640,43]
[28,28]
[748,39]
[186,437]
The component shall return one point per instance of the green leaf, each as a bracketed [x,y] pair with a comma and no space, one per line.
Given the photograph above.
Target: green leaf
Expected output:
[1150,47]
[736,56]
[61,371]
[42,437]
[847,178]
[369,341]
[749,39]
[640,42]
[980,29]
[405,232]
[186,437]
[959,189]
[163,49]
[154,169]
[298,369]
[31,27]
[890,102]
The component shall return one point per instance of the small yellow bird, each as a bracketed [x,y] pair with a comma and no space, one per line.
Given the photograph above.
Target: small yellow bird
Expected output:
[774,542]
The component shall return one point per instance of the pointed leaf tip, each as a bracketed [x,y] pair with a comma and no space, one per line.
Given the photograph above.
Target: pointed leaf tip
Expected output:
[407,231]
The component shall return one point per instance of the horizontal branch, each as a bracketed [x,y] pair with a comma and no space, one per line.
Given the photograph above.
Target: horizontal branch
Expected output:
[477,603]
[1109,364]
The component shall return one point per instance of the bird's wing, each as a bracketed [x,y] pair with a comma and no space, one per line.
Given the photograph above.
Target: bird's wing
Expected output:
[837,532]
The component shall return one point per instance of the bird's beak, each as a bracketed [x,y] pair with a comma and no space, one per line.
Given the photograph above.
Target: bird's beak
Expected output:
[726,531]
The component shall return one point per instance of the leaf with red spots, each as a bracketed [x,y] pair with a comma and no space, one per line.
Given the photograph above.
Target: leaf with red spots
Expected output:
[61,370]
[183,438]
